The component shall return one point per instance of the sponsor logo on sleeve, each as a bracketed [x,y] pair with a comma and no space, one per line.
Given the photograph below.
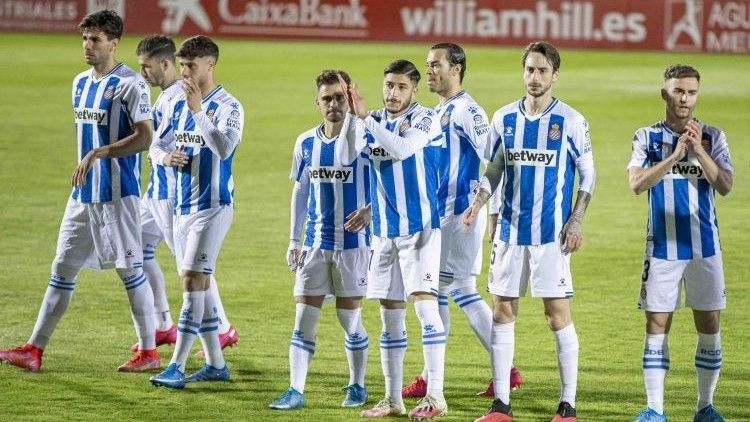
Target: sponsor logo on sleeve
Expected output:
[424,125]
[327,174]
[480,125]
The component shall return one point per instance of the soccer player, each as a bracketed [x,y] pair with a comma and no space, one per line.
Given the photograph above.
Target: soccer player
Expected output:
[156,56]
[403,141]
[541,143]
[465,129]
[206,122]
[333,260]
[681,162]
[101,225]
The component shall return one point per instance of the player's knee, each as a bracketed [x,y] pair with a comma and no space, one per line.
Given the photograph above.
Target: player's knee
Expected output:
[193,281]
[502,311]
[64,271]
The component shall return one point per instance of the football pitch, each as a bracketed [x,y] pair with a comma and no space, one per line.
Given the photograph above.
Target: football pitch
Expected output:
[617,92]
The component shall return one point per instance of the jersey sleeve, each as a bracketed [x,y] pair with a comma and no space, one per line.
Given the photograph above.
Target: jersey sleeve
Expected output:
[639,150]
[231,120]
[137,100]
[720,152]
[477,130]
[583,154]
[298,173]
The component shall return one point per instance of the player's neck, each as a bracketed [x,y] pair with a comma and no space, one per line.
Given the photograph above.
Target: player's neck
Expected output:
[536,105]
[102,69]
[332,129]
[677,124]
[449,93]
[207,87]
[169,80]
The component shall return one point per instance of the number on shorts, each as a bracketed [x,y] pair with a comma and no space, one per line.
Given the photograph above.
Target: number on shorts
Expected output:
[369,264]
[646,267]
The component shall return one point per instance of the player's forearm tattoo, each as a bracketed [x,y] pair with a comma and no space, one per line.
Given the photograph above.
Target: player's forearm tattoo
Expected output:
[582,202]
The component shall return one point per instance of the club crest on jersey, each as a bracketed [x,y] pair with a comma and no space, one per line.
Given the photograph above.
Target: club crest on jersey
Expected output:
[424,125]
[210,114]
[554,133]
[326,174]
[109,93]
[404,126]
[445,119]
[480,126]
[706,142]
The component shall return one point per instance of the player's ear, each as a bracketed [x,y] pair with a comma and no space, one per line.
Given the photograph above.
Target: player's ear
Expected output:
[664,94]
[555,75]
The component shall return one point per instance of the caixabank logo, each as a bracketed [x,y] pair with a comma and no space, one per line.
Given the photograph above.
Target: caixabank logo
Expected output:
[707,25]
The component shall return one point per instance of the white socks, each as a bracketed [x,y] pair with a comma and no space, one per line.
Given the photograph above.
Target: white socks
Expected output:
[501,354]
[707,367]
[567,363]
[392,350]
[433,345]
[302,344]
[62,283]
[141,306]
[191,316]
[223,320]
[477,311]
[209,333]
[163,318]
[355,343]
[655,368]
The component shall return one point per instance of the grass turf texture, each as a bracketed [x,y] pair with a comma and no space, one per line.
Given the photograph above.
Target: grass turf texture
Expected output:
[617,92]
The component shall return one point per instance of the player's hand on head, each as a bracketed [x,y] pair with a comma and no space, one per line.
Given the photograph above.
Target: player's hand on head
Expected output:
[345,87]
[358,102]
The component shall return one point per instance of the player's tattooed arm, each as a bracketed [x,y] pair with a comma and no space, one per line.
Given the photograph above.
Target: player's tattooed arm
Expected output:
[492,176]
[138,141]
[571,235]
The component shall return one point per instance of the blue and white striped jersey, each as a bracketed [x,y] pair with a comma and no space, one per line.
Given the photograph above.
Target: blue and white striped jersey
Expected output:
[104,111]
[465,128]
[336,189]
[206,180]
[404,192]
[161,183]
[682,221]
[541,155]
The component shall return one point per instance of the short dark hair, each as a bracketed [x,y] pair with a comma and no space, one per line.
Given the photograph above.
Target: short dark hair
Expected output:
[456,56]
[198,46]
[157,46]
[544,48]
[403,67]
[680,71]
[331,77]
[106,21]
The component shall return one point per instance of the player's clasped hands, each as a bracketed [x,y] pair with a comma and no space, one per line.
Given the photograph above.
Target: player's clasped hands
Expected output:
[176,158]
[690,140]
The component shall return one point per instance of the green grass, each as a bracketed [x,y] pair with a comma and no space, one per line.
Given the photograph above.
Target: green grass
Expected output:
[617,92]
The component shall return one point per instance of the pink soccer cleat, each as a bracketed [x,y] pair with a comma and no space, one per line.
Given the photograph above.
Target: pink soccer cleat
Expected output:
[142,361]
[168,336]
[428,408]
[417,388]
[228,339]
[515,383]
[27,357]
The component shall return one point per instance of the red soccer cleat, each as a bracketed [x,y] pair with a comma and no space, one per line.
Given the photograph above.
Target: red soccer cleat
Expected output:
[168,336]
[142,361]
[417,388]
[499,412]
[515,383]
[27,357]
[228,339]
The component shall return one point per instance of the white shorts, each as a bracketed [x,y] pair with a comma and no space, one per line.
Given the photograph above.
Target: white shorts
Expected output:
[662,283]
[198,238]
[341,273]
[461,251]
[157,219]
[101,235]
[545,267]
[404,265]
